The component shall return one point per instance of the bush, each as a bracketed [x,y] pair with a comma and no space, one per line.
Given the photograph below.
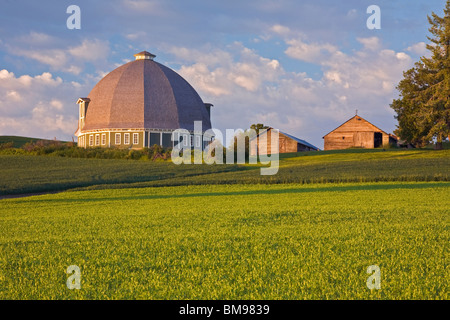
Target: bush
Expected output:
[12,151]
[70,150]
[41,147]
[6,145]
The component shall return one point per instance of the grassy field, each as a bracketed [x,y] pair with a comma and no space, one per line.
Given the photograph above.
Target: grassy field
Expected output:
[225,231]
[17,140]
[27,174]
[289,241]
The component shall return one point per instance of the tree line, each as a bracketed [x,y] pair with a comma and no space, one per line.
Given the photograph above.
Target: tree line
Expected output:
[423,107]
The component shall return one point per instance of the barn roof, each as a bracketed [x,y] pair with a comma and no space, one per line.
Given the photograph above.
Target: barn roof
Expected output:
[300,141]
[355,116]
[144,94]
[306,143]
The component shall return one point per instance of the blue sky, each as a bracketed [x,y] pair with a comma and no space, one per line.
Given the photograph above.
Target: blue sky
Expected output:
[301,66]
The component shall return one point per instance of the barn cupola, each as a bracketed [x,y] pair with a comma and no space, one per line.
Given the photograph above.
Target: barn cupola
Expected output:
[144,55]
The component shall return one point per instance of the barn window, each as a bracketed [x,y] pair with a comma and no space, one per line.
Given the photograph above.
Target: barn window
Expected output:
[97,139]
[103,139]
[117,138]
[155,138]
[126,138]
[91,140]
[167,140]
[135,138]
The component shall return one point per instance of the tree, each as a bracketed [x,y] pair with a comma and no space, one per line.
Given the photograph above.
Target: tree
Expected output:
[259,126]
[423,109]
[246,136]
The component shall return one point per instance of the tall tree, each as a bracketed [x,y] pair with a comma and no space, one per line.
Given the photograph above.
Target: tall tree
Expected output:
[423,109]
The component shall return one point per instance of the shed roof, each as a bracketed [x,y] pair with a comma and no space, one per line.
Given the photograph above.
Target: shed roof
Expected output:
[304,142]
[355,116]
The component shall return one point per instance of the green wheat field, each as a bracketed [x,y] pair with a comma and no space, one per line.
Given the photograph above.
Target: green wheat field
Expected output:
[143,230]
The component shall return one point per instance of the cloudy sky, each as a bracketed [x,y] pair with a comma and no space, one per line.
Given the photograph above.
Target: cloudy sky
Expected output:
[301,66]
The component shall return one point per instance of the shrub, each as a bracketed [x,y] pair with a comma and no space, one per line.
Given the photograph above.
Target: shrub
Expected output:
[6,145]
[69,149]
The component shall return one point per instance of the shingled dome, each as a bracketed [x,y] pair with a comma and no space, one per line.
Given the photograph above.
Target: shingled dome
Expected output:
[142,97]
[144,94]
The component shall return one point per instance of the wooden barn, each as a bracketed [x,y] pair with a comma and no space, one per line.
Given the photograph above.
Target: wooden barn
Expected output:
[286,143]
[357,133]
[140,104]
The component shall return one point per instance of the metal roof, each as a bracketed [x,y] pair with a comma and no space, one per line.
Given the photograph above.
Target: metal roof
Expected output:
[306,143]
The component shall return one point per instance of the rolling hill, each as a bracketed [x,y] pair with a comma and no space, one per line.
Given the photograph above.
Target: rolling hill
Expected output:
[19,141]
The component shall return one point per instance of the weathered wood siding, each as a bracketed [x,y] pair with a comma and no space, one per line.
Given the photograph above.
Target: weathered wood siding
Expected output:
[285,144]
[263,143]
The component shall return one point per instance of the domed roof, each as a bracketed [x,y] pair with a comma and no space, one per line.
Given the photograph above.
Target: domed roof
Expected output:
[144,94]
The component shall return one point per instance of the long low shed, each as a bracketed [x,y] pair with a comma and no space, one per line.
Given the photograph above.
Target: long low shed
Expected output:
[286,143]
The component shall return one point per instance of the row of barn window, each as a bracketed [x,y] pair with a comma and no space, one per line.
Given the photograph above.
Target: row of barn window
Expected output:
[126,139]
[186,140]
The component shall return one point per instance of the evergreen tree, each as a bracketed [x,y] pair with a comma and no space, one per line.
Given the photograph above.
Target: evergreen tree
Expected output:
[423,109]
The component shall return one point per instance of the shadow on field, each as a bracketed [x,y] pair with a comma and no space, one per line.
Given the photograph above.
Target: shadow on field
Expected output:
[298,190]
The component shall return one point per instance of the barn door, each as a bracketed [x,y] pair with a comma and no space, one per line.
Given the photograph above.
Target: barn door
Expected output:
[377,139]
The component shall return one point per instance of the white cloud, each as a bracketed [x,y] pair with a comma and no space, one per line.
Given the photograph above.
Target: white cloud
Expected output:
[372,43]
[13,96]
[5,74]
[55,58]
[419,48]
[38,106]
[280,30]
[247,88]
[218,73]
[310,52]
[206,80]
[46,50]
[37,39]
[135,35]
[244,86]
[90,50]
[56,104]
[47,79]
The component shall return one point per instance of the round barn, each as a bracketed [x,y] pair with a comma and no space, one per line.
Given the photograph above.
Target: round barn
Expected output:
[140,104]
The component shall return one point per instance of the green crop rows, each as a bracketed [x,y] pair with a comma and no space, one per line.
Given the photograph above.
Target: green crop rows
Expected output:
[286,241]
[27,174]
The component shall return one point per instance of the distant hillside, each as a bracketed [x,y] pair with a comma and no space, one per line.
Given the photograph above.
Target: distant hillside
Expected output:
[28,174]
[18,141]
